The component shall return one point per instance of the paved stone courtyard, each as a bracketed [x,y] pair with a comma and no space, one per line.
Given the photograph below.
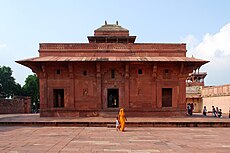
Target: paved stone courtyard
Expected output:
[20,139]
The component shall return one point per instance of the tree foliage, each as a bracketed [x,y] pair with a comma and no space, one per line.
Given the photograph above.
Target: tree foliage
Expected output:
[8,86]
[31,88]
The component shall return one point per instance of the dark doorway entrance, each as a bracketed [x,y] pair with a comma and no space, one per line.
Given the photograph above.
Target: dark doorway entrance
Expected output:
[167,97]
[113,98]
[58,97]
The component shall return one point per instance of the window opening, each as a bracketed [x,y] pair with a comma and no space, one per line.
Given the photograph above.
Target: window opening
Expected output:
[112,73]
[166,71]
[84,73]
[58,71]
[139,71]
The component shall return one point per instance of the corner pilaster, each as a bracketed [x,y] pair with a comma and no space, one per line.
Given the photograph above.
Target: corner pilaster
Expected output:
[70,103]
[99,93]
[127,86]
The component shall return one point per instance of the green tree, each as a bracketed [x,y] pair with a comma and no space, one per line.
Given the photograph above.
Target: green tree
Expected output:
[31,88]
[8,86]
[18,91]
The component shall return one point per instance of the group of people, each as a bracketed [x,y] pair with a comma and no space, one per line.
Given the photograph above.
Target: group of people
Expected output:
[120,120]
[215,112]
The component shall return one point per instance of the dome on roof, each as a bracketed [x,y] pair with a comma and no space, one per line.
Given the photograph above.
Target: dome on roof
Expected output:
[111,29]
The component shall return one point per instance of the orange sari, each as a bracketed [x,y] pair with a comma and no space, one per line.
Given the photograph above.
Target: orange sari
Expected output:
[122,119]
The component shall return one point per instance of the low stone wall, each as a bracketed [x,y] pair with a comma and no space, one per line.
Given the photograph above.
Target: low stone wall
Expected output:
[15,106]
[217,96]
[214,91]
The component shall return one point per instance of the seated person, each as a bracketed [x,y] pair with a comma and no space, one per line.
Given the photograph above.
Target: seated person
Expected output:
[220,114]
[205,111]
[213,111]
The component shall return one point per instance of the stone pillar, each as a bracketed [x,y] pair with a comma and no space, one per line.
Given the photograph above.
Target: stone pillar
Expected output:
[159,93]
[70,104]
[43,93]
[127,87]
[99,94]
[175,96]
[182,93]
[154,85]
[182,88]
[43,88]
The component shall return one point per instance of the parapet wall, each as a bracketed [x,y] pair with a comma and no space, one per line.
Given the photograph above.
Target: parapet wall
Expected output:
[216,91]
[217,96]
[15,106]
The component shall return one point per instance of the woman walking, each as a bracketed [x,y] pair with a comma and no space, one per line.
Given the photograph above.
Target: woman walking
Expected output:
[122,119]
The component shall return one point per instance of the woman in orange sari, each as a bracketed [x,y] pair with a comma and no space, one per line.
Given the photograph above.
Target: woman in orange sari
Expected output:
[122,119]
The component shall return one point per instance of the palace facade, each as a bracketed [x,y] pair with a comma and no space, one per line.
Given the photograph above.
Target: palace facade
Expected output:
[112,71]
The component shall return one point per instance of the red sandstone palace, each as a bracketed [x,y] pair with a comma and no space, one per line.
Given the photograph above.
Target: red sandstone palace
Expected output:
[110,72]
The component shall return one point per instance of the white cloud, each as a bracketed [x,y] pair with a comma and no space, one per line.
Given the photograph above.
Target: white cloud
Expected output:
[191,42]
[2,46]
[216,45]
[216,49]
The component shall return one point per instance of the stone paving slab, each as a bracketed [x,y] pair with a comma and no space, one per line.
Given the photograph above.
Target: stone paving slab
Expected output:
[18,139]
[37,118]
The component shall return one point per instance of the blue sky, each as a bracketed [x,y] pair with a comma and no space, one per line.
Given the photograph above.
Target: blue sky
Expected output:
[203,24]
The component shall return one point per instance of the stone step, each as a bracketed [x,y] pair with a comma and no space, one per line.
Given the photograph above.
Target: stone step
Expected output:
[108,114]
[112,124]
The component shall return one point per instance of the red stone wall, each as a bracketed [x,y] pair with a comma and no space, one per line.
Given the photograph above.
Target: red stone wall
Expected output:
[86,95]
[85,86]
[112,49]
[141,87]
[109,83]
[15,106]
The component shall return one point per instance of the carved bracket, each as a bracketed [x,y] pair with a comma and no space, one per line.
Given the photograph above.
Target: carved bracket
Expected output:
[43,71]
[154,74]
[98,68]
[70,68]
[182,68]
